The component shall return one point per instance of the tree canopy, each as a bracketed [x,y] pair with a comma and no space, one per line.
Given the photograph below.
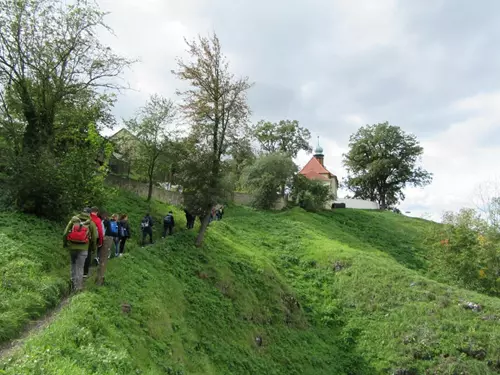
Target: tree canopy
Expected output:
[285,136]
[383,160]
[154,127]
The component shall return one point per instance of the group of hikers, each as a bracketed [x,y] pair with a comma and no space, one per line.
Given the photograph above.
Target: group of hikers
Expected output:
[96,232]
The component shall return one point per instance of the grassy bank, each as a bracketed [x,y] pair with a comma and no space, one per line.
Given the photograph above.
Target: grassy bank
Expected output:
[34,267]
[341,292]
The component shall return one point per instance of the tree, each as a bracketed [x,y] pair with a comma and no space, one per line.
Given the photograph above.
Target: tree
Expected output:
[312,195]
[56,90]
[264,178]
[285,136]
[381,162]
[153,128]
[242,155]
[50,56]
[216,105]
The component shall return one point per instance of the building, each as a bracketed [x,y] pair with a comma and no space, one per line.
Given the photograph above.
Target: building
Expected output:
[315,170]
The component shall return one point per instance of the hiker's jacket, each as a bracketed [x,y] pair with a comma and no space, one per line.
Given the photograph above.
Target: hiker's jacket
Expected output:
[172,222]
[150,221]
[97,221]
[107,228]
[83,218]
[124,224]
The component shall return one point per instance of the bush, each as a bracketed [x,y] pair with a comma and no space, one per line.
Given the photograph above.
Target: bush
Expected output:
[267,176]
[311,195]
[467,251]
[52,186]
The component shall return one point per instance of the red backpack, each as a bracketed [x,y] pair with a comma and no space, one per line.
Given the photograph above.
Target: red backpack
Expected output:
[80,233]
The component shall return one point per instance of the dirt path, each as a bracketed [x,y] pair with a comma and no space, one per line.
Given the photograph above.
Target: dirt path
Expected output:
[8,348]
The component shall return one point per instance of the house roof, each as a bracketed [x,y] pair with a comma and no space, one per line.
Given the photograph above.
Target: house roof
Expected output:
[313,169]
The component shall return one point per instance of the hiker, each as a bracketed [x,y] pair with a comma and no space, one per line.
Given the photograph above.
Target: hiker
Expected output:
[147,229]
[212,215]
[94,216]
[168,224]
[189,219]
[221,211]
[124,229]
[106,247]
[100,237]
[80,237]
[115,233]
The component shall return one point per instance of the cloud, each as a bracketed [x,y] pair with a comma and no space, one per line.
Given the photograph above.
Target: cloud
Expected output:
[430,67]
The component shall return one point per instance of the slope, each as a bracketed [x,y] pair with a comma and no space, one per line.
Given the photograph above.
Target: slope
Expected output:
[276,293]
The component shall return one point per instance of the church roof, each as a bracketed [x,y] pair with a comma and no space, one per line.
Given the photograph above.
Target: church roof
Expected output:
[314,170]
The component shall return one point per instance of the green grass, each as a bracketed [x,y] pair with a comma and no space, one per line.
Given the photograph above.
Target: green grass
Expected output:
[32,270]
[34,267]
[342,292]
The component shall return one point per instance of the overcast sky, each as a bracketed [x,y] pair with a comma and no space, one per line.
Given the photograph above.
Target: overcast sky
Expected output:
[430,67]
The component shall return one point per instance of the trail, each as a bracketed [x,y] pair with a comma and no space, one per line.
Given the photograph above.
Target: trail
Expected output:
[8,348]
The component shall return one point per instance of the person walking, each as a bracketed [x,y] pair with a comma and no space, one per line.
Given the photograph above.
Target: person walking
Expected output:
[189,219]
[124,230]
[221,211]
[168,224]
[147,229]
[80,237]
[98,223]
[105,249]
[115,233]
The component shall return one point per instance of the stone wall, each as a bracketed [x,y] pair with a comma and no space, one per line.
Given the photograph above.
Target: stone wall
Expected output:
[174,197]
[141,189]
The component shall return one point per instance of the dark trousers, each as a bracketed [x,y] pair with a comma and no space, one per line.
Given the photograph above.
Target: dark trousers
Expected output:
[86,266]
[190,223]
[122,244]
[145,233]
[169,229]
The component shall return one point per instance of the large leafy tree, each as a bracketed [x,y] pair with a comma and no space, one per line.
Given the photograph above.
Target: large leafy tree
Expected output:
[383,160]
[216,106]
[154,128]
[285,136]
[57,84]
[50,59]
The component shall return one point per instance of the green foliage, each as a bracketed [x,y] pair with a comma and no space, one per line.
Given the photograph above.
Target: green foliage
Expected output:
[381,162]
[53,70]
[32,273]
[153,127]
[328,293]
[285,136]
[216,105]
[310,194]
[467,251]
[265,177]
[53,185]
[51,58]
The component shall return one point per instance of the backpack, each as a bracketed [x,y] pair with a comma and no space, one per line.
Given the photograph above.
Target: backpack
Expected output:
[79,233]
[113,225]
[167,219]
[123,231]
[145,223]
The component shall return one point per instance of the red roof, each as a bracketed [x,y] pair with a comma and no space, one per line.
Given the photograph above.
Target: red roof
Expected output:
[313,170]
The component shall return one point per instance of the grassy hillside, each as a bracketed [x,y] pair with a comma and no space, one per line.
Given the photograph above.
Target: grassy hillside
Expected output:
[34,267]
[341,292]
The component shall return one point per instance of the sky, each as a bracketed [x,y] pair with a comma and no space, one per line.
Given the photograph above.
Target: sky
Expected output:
[430,67]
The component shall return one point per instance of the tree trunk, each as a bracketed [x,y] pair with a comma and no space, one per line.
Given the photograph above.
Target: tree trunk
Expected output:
[150,189]
[203,229]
